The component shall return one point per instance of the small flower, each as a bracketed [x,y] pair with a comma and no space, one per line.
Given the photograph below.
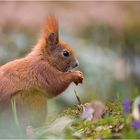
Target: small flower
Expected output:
[136,109]
[127,106]
[139,107]
[136,125]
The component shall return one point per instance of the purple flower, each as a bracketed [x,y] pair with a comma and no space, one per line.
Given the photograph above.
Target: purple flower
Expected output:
[127,106]
[136,125]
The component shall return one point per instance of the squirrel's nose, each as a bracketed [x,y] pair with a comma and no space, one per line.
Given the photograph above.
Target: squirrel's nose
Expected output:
[76,64]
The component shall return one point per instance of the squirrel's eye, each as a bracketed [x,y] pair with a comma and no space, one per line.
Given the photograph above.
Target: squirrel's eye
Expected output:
[66,53]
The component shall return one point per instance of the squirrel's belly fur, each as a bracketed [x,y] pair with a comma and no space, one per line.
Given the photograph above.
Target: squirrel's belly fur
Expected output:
[31,108]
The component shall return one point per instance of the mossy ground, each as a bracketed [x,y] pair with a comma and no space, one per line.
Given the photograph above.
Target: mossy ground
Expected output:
[69,124]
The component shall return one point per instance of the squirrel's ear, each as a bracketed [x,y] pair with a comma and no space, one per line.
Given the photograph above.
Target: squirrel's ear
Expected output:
[50,32]
[53,39]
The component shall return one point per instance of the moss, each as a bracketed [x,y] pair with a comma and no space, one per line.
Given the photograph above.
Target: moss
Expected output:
[111,125]
[73,112]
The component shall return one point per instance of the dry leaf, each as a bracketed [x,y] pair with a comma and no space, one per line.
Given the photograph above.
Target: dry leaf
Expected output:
[93,111]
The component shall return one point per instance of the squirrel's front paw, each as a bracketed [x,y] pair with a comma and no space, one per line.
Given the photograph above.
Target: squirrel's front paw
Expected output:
[78,77]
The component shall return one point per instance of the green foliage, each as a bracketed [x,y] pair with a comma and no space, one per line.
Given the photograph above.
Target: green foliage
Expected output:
[71,112]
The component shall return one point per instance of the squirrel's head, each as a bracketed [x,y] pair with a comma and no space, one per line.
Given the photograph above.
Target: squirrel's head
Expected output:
[55,51]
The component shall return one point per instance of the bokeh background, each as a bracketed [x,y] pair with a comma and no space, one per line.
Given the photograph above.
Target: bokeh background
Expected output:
[105,36]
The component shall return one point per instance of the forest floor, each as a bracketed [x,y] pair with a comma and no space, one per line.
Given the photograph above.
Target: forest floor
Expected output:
[116,121]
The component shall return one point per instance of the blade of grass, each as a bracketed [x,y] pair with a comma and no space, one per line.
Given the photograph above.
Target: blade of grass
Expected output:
[77,97]
[14,110]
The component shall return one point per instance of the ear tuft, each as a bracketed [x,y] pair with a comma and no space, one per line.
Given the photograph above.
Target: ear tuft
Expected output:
[50,32]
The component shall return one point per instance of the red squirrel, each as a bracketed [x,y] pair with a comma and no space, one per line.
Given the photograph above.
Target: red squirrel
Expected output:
[42,74]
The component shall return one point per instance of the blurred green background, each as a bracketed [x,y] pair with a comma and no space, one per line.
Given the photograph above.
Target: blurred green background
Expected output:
[104,35]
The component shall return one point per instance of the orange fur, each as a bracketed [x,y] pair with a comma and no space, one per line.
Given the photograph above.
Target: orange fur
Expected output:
[42,74]
[51,25]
